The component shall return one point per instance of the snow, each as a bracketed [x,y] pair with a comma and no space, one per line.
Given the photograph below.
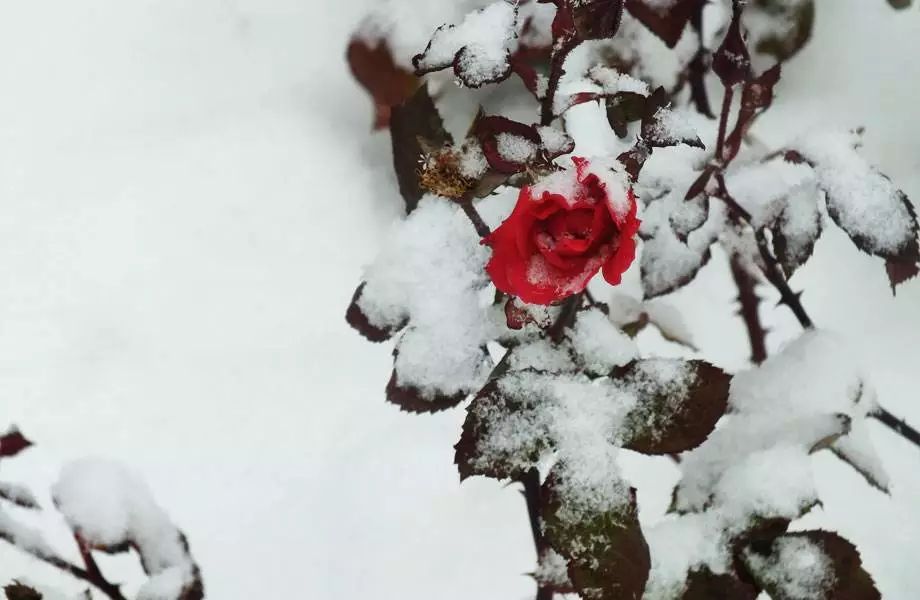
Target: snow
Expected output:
[481,44]
[599,344]
[108,506]
[184,221]
[865,203]
[431,272]
[798,568]
[515,148]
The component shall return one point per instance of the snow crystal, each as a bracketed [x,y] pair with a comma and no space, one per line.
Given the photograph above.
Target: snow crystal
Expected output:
[865,203]
[486,37]
[797,568]
[108,506]
[515,148]
[599,344]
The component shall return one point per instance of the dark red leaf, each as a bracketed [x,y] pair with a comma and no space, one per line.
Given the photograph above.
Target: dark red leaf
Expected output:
[360,323]
[485,414]
[703,584]
[732,61]
[595,19]
[414,126]
[607,554]
[387,83]
[789,26]
[667,23]
[12,443]
[669,422]
[411,399]
[777,573]
[488,131]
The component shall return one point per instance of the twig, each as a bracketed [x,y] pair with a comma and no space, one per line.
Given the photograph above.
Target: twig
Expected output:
[560,53]
[897,425]
[475,218]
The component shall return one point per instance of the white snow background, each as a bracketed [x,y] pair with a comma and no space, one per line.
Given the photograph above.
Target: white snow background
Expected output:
[188,192]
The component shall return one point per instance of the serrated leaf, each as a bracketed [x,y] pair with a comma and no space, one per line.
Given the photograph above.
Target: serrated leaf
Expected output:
[689,216]
[812,564]
[388,84]
[797,229]
[663,270]
[674,416]
[662,128]
[509,146]
[415,126]
[12,443]
[668,23]
[490,413]
[410,398]
[703,584]
[732,61]
[361,323]
[606,551]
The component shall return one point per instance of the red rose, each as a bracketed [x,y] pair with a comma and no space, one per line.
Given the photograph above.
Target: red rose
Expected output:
[563,230]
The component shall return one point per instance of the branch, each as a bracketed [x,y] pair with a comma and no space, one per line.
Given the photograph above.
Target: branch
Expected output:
[749,309]
[897,425]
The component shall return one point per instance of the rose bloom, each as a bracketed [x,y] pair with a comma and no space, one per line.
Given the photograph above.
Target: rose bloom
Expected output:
[563,230]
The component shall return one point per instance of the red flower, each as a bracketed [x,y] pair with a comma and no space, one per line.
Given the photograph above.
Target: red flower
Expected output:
[562,231]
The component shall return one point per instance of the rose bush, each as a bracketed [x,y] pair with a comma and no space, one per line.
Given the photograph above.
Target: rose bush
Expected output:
[562,231]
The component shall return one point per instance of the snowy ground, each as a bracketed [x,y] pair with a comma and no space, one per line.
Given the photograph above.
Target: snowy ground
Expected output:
[187,194]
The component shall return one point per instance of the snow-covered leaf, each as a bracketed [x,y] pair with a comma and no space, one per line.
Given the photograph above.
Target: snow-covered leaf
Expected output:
[703,584]
[420,385]
[18,495]
[807,565]
[479,48]
[876,215]
[599,536]
[509,146]
[779,28]
[663,127]
[679,404]
[362,324]
[797,228]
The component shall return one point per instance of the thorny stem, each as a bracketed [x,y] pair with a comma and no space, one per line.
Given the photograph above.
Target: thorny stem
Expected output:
[475,218]
[775,276]
[750,303]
